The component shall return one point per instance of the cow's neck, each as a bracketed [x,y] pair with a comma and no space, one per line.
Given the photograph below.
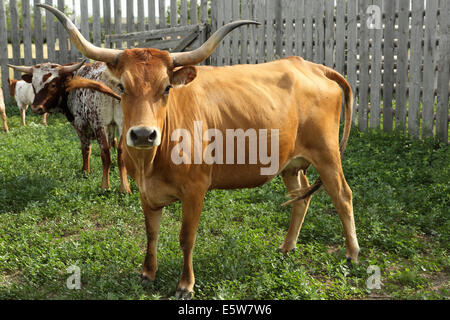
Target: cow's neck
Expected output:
[62,105]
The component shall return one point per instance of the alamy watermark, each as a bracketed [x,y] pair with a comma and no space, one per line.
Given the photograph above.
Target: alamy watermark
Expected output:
[74,281]
[374,18]
[374,280]
[214,152]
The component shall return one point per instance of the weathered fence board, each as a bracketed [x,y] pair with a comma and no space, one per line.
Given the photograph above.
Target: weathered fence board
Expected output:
[398,69]
[429,68]
[388,75]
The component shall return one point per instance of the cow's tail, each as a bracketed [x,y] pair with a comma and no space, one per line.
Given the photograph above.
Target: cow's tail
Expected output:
[348,95]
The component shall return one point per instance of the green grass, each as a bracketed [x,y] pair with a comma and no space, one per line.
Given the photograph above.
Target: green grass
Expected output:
[51,217]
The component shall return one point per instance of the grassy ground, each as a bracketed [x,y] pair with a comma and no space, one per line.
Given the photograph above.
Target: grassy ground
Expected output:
[51,218]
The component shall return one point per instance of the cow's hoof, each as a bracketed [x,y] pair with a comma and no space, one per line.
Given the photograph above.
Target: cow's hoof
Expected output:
[183,294]
[146,282]
[286,251]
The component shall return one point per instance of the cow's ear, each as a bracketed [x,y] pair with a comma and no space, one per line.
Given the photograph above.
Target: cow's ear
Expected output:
[27,77]
[184,75]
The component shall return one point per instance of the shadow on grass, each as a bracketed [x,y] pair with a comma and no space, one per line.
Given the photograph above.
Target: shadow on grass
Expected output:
[19,191]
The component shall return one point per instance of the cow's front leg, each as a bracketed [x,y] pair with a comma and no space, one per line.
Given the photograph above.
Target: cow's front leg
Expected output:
[23,111]
[124,185]
[192,209]
[105,155]
[152,223]
[44,118]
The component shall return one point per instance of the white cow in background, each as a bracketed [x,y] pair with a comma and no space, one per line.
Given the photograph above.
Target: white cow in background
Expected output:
[23,93]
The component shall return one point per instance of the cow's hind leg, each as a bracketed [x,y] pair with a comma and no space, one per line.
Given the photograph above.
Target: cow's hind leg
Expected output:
[329,167]
[5,123]
[295,179]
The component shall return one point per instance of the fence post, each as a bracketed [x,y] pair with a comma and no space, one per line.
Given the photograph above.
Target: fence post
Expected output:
[38,37]
[443,75]
[27,40]
[279,30]
[4,52]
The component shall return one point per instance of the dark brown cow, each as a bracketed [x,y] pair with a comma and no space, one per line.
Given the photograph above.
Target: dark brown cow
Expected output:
[294,105]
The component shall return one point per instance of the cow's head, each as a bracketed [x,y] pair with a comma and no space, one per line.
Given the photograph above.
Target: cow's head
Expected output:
[146,77]
[48,81]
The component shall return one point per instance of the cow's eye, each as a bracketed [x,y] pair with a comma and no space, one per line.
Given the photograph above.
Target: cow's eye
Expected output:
[121,88]
[166,92]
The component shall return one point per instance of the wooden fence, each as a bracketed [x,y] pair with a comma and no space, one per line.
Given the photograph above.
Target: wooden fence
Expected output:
[394,53]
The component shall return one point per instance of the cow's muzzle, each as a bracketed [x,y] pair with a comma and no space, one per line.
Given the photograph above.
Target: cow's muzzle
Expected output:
[38,109]
[143,137]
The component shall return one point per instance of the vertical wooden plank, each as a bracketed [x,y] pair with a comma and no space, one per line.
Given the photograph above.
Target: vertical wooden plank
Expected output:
[214,26]
[204,18]
[28,55]
[319,32]
[363,105]
[173,13]
[329,33]
[63,56]
[340,35]
[288,10]
[15,38]
[402,65]
[309,7]
[226,42]
[130,22]
[388,75]
[74,53]
[270,20]
[443,74]
[162,14]
[235,35]
[244,32]
[351,52]
[193,12]
[141,15]
[375,82]
[107,18]
[251,33]
[38,37]
[151,15]
[4,52]
[299,29]
[118,21]
[84,12]
[97,31]
[429,68]
[141,19]
[184,13]
[261,17]
[415,68]
[279,28]
[49,33]
[220,23]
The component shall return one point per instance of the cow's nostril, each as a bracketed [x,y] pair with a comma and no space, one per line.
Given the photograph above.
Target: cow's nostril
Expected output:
[152,136]
[133,135]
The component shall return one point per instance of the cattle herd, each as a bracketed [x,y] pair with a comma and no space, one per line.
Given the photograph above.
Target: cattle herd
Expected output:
[145,95]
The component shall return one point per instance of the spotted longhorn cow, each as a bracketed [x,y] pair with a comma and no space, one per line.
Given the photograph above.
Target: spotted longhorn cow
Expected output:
[164,94]
[82,93]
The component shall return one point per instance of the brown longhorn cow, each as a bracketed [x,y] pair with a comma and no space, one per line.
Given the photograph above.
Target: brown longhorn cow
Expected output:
[164,97]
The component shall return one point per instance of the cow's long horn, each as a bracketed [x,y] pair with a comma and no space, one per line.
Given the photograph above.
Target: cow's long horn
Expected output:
[84,46]
[72,68]
[23,69]
[201,54]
